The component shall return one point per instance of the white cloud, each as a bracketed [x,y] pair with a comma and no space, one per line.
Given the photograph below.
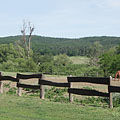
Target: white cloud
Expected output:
[107,3]
[113,3]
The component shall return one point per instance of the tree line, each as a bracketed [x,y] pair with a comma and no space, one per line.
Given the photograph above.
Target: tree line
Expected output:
[71,47]
[14,56]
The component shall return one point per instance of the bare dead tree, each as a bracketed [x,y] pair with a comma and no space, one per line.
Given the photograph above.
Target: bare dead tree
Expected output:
[23,31]
[31,29]
[27,40]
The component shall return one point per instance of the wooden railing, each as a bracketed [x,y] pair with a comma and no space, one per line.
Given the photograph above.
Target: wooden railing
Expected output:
[26,77]
[22,76]
[50,83]
[5,78]
[96,80]
[42,82]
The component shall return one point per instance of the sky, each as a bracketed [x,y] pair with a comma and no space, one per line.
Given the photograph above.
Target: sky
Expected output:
[61,18]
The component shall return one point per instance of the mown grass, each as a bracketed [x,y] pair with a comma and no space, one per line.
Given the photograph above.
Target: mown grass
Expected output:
[32,108]
[79,59]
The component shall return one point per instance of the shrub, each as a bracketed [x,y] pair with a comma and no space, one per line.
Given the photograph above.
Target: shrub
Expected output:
[116,99]
[12,90]
[56,94]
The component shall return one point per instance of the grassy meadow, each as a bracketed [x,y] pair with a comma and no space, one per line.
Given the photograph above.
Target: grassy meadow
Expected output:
[32,108]
[29,107]
[79,59]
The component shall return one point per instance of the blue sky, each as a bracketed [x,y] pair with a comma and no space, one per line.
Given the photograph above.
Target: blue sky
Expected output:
[61,18]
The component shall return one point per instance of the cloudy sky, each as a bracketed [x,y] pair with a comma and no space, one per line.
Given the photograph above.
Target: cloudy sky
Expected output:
[61,18]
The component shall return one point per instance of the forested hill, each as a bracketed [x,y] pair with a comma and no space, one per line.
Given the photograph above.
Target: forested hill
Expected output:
[71,47]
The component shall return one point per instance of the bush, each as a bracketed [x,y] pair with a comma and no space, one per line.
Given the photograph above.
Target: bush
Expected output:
[56,94]
[93,101]
[12,91]
[116,99]
[6,85]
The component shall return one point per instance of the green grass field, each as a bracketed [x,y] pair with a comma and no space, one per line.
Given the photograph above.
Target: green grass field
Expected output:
[32,108]
[79,59]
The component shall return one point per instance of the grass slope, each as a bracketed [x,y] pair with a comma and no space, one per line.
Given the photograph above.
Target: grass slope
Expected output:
[79,59]
[32,108]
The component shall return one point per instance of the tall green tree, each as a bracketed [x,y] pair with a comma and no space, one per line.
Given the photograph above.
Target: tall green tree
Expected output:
[10,52]
[95,51]
[12,58]
[62,60]
[106,61]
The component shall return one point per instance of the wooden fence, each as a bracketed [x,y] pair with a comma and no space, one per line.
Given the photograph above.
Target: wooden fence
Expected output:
[26,77]
[42,82]
[5,78]
[96,80]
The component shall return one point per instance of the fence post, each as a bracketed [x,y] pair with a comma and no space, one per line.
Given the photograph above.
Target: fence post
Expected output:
[1,84]
[19,92]
[42,92]
[110,95]
[70,94]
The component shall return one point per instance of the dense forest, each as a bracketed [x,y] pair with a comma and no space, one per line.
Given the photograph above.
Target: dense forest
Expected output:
[71,47]
[103,53]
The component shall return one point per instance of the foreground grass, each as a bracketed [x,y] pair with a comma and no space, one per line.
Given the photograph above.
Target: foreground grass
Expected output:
[32,108]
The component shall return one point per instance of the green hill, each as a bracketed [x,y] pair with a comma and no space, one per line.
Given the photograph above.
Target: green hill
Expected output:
[71,47]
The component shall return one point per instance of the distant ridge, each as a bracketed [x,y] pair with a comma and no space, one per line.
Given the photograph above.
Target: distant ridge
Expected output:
[73,46]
